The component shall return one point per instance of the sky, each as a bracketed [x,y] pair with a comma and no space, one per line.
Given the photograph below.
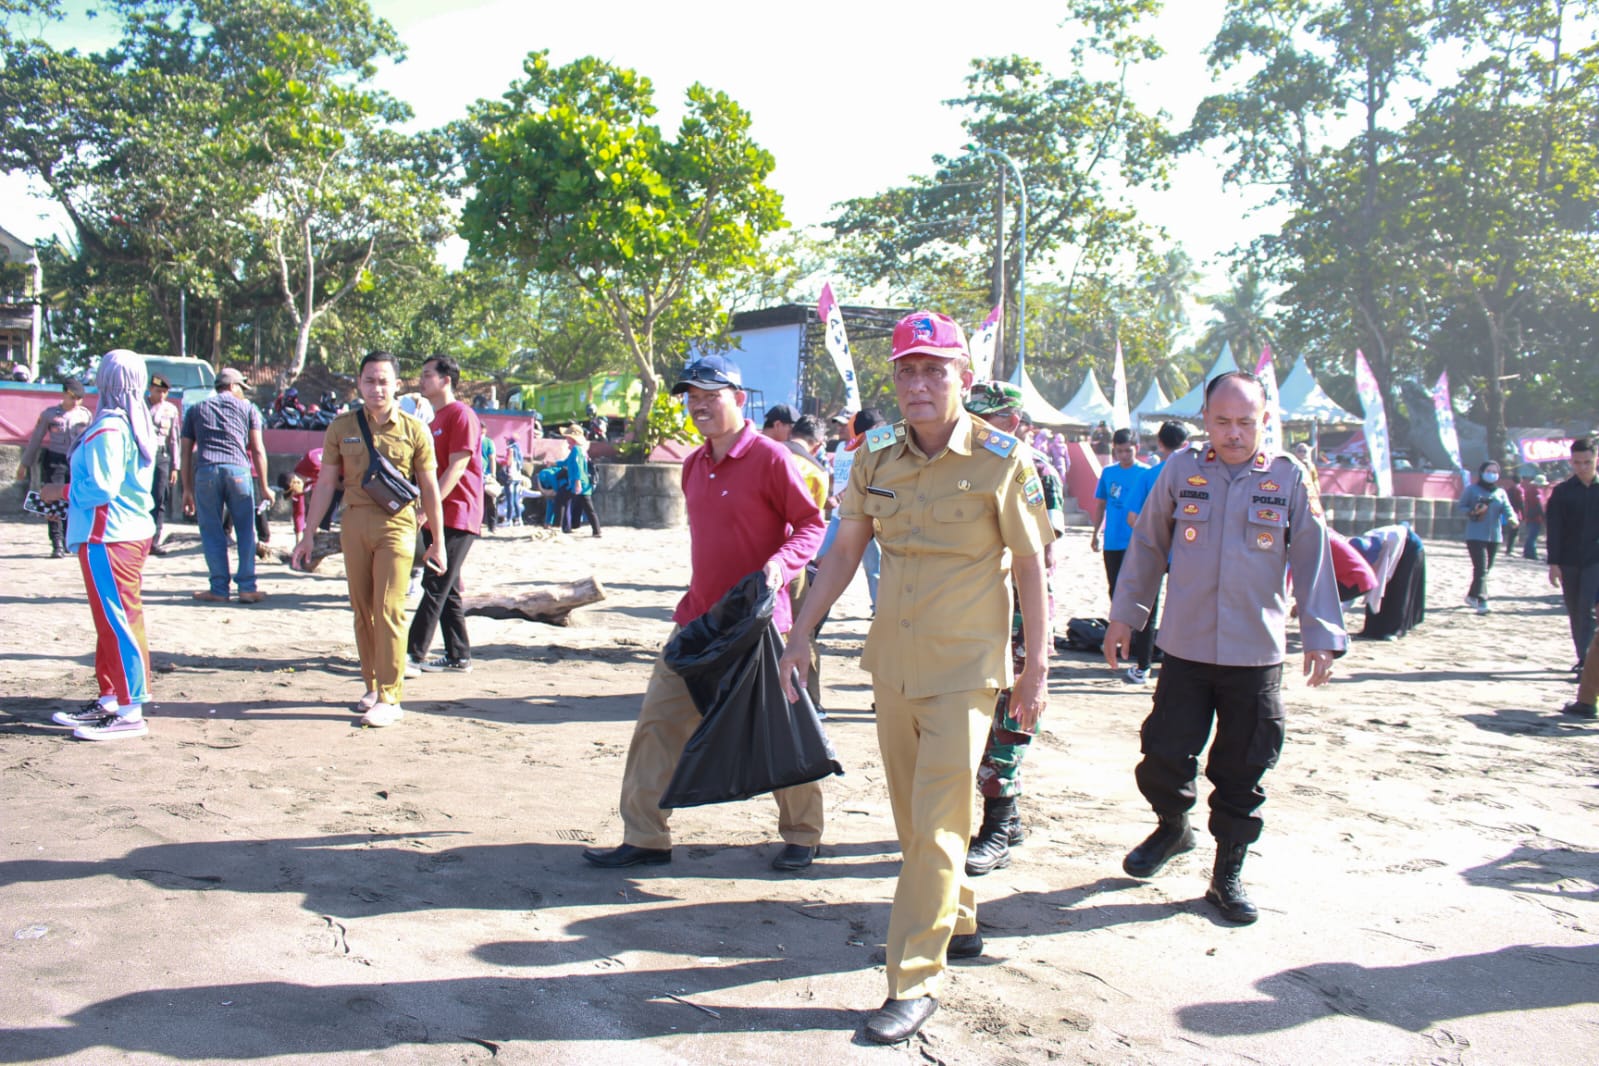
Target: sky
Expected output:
[847,97]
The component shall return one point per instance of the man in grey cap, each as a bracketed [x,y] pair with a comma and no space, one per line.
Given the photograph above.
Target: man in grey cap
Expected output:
[222,447]
[748,511]
[56,431]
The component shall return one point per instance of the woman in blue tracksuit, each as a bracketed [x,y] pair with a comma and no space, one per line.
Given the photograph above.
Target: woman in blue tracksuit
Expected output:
[1487,510]
[109,528]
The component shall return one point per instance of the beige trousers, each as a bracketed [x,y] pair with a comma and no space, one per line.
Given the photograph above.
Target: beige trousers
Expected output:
[930,749]
[666,720]
[377,565]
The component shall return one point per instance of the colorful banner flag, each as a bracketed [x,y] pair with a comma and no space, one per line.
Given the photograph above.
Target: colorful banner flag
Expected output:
[1271,432]
[1120,416]
[1446,418]
[1376,426]
[982,345]
[838,348]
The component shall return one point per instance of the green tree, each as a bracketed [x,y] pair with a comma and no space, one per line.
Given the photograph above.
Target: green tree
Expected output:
[570,177]
[1241,319]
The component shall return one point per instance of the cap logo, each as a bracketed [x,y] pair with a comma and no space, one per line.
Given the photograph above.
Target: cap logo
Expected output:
[921,329]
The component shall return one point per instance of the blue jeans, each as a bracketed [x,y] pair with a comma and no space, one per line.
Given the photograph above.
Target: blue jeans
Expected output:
[218,486]
[871,561]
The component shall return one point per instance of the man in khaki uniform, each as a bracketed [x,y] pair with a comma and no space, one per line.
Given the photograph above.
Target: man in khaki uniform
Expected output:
[946,497]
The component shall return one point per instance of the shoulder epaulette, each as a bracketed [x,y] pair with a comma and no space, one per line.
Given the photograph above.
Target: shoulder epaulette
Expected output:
[885,436]
[1001,444]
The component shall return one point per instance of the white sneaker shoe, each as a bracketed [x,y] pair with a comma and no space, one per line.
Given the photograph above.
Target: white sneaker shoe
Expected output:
[1482,605]
[113,727]
[412,667]
[382,714]
[89,714]
[1135,676]
[366,703]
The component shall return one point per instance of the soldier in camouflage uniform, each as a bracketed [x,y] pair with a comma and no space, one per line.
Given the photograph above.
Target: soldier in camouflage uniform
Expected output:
[999,403]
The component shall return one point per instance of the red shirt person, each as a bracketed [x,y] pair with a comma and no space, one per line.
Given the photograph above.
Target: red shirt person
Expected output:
[457,446]
[748,511]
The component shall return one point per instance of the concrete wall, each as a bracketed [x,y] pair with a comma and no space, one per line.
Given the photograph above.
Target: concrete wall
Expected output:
[1432,519]
[645,495]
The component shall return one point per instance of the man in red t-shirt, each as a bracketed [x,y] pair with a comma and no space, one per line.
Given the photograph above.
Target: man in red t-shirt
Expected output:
[748,510]
[457,437]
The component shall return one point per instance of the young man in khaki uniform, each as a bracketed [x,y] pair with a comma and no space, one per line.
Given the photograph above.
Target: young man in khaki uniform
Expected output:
[946,497]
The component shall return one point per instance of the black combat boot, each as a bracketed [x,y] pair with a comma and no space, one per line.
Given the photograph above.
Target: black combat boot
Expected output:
[1171,838]
[990,848]
[1226,891]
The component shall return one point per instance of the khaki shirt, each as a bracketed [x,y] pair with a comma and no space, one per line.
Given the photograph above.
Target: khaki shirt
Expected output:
[944,523]
[1231,539]
[404,440]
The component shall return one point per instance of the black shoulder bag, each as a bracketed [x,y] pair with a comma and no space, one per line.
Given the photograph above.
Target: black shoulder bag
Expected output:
[387,487]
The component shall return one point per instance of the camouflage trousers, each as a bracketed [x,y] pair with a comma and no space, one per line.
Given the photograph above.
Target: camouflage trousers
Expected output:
[999,775]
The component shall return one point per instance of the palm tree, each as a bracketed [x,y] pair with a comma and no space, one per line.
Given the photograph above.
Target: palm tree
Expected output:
[1169,285]
[1241,319]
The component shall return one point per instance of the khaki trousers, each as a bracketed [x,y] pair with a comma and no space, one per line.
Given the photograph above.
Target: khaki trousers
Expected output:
[666,720]
[377,565]
[930,748]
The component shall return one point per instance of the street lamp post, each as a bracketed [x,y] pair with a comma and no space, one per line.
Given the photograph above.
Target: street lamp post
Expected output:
[1021,266]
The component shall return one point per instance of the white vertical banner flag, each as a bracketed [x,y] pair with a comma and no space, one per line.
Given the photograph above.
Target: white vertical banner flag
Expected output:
[1120,417]
[1271,434]
[982,345]
[1446,419]
[1376,426]
[838,348]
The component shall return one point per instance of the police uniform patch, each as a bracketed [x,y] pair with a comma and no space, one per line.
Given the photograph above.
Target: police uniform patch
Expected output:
[1190,508]
[1269,486]
[1260,461]
[1190,534]
[883,437]
[1265,514]
[1198,479]
[1265,540]
[1034,491]
[1210,455]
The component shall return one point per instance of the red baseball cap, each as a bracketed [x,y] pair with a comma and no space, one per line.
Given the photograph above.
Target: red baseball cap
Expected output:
[928,333]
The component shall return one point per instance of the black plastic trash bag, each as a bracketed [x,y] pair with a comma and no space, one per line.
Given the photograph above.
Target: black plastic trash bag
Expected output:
[751,740]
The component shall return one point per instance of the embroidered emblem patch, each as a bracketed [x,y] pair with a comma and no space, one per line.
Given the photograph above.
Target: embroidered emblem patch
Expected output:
[1198,479]
[1190,508]
[1260,461]
[1210,455]
[1265,540]
[964,485]
[1266,514]
[1034,491]
[1190,534]
[1269,486]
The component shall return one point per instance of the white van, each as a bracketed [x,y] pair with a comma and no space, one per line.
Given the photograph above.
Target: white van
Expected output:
[192,380]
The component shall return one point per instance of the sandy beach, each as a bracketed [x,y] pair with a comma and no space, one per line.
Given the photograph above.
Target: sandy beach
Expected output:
[262,880]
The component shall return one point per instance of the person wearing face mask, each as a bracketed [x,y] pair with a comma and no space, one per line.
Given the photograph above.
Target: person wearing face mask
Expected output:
[1487,510]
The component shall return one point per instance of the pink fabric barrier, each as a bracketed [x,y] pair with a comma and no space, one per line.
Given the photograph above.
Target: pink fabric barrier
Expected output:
[1357,481]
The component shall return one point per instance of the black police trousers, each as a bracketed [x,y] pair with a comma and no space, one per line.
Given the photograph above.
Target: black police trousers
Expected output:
[1247,706]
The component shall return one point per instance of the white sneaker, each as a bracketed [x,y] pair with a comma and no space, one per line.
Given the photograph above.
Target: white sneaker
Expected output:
[366,703]
[89,714]
[413,668]
[1472,601]
[1135,676]
[445,664]
[382,714]
[1482,606]
[113,727]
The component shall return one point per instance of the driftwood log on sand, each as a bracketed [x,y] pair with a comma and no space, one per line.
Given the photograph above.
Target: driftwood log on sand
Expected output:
[553,604]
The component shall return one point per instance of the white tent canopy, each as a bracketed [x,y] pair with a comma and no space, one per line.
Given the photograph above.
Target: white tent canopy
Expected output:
[1039,410]
[1304,401]
[1193,402]
[1090,406]
[1154,399]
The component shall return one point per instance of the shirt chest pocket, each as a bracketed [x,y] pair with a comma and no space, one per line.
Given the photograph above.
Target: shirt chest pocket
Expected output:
[1193,522]
[884,511]
[1267,528]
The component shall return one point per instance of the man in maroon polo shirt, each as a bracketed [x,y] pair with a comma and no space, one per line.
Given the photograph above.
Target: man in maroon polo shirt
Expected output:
[748,510]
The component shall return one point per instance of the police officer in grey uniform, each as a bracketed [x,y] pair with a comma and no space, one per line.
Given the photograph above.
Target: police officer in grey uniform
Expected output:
[1231,520]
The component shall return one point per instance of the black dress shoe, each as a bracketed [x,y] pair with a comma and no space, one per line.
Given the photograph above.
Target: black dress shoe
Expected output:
[627,855]
[899,1019]
[965,946]
[794,857]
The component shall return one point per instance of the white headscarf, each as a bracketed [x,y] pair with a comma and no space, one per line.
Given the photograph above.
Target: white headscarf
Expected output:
[121,379]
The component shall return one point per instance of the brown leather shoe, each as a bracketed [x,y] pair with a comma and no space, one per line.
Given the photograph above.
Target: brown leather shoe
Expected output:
[255,596]
[207,596]
[899,1019]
